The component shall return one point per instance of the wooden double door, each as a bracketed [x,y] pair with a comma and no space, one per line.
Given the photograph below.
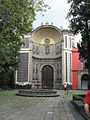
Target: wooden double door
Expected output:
[47,77]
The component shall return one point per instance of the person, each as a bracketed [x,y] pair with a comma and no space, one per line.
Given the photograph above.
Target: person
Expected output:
[87,104]
[66,86]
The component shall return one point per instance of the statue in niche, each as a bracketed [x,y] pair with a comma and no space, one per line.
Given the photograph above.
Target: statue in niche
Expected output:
[60,49]
[37,50]
[33,71]
[57,50]
[57,68]
[33,49]
[36,71]
[47,47]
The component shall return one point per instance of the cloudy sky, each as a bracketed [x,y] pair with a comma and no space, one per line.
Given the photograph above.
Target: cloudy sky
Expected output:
[57,14]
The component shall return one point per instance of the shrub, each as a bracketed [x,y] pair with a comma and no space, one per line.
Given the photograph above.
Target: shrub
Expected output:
[78,97]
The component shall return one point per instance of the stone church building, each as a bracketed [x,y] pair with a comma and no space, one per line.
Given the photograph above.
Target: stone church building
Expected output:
[46,58]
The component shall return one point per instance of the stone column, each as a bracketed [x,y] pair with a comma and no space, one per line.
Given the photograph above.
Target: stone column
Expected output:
[30,62]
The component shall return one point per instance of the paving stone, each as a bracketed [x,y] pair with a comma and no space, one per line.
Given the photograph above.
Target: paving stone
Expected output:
[56,114]
[41,108]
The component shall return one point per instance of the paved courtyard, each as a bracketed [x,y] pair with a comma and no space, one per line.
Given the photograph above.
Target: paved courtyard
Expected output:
[14,107]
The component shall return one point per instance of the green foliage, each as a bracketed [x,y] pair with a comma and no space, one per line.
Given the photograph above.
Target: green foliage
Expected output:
[16,18]
[78,97]
[78,16]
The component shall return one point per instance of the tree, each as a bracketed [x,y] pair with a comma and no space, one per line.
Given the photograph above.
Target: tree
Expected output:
[16,18]
[79,15]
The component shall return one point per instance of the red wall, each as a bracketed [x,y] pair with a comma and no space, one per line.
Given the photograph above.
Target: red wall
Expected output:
[76,64]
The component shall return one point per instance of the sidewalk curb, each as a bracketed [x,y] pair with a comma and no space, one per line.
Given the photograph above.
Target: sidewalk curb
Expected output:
[79,105]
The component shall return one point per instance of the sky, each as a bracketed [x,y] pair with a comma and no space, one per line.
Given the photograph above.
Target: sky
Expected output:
[57,14]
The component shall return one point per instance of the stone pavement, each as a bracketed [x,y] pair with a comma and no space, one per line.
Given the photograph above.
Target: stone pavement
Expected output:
[14,107]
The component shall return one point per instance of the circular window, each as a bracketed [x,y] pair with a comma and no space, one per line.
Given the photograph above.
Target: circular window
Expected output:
[47,41]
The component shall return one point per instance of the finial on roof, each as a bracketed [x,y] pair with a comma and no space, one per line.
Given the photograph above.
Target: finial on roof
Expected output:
[61,28]
[51,23]
[41,23]
[46,23]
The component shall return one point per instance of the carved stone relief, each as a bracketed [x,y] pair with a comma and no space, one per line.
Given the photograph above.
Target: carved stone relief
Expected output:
[58,49]
[33,75]
[33,49]
[47,49]
[36,71]
[37,50]
[47,46]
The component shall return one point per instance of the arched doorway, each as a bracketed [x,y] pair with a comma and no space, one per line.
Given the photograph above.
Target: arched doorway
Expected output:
[84,81]
[47,77]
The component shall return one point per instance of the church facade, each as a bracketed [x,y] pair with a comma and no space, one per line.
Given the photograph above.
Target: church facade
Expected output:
[46,58]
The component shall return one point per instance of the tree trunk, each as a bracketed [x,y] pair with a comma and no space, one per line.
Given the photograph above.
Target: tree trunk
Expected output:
[89,64]
[88,47]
